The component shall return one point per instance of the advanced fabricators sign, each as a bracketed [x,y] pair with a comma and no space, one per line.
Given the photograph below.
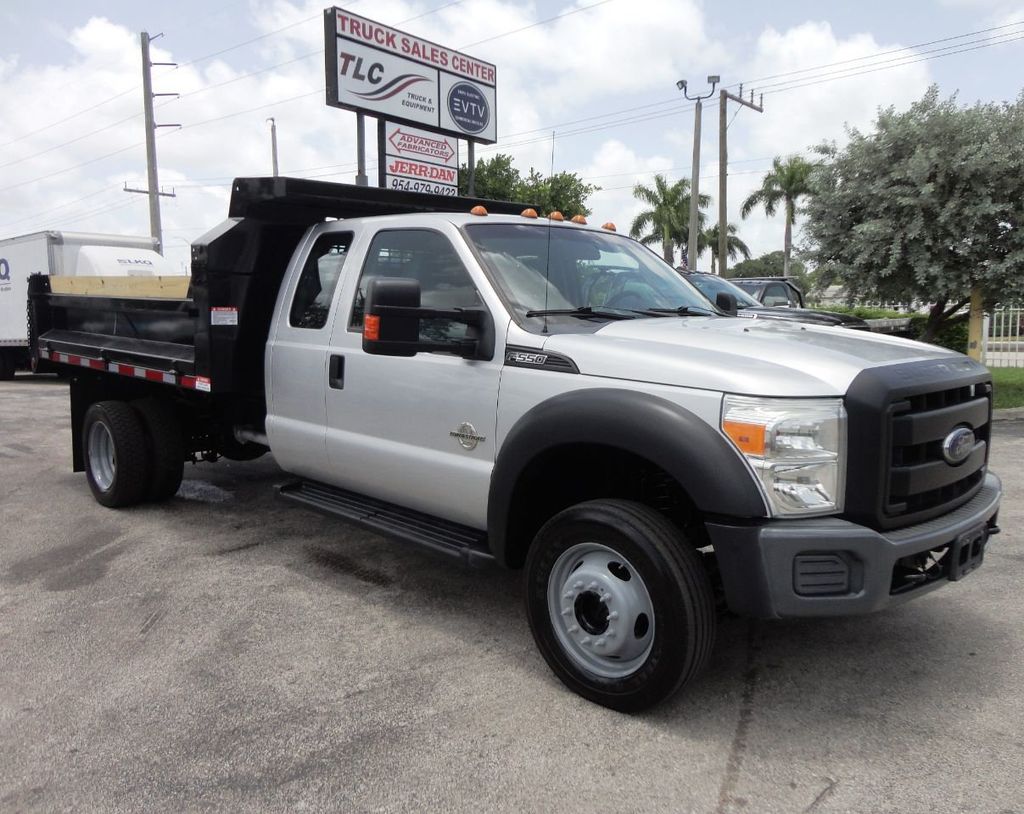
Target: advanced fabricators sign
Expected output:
[418,160]
[374,69]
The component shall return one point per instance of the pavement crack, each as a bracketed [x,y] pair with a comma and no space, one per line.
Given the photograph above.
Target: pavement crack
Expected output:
[823,795]
[150,622]
[739,739]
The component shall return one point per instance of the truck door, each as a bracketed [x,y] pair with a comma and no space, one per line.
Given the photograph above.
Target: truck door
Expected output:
[417,431]
[298,359]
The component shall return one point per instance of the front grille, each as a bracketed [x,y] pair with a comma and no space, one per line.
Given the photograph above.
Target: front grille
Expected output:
[920,479]
[898,418]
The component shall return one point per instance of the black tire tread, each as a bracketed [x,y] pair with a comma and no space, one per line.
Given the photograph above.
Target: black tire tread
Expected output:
[163,432]
[132,454]
[686,570]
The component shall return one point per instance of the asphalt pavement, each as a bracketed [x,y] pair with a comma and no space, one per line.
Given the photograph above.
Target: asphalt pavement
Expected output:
[227,651]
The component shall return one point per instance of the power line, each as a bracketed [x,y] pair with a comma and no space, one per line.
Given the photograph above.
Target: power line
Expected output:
[72,116]
[75,167]
[890,67]
[878,54]
[235,47]
[534,25]
[70,141]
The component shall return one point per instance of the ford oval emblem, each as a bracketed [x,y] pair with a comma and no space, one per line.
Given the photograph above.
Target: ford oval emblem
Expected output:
[958,445]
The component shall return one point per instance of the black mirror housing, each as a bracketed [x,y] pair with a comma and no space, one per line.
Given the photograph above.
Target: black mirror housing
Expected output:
[391,323]
[726,302]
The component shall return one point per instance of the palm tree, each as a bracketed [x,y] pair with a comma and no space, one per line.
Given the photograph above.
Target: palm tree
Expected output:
[733,245]
[788,180]
[667,219]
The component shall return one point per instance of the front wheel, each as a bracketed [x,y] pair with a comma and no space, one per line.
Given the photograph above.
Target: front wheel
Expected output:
[619,603]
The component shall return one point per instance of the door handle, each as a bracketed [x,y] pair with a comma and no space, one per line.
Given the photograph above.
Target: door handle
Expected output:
[336,372]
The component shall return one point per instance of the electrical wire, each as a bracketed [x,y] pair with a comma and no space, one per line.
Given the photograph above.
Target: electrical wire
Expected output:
[71,116]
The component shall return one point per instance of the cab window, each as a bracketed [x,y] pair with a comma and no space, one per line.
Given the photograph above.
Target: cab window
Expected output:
[314,291]
[429,258]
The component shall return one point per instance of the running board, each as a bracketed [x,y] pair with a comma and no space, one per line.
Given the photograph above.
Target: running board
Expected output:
[453,539]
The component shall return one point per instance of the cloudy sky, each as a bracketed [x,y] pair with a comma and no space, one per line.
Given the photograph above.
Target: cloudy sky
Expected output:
[598,74]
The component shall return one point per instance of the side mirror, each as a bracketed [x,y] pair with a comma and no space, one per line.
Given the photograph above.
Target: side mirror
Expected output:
[391,323]
[726,302]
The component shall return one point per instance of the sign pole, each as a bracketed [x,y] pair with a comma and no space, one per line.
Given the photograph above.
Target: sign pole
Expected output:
[361,179]
[471,163]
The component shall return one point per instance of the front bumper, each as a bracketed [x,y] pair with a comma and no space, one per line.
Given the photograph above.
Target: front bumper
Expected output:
[831,567]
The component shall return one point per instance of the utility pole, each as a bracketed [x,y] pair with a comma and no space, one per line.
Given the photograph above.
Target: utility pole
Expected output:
[273,143]
[694,235]
[723,169]
[153,192]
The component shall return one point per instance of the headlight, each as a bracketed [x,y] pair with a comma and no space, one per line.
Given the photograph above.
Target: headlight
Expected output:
[796,447]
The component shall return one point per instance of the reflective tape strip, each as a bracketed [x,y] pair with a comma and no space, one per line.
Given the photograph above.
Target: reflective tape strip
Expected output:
[192,382]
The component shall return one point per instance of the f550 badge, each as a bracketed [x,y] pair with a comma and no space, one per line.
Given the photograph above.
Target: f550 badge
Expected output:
[519,357]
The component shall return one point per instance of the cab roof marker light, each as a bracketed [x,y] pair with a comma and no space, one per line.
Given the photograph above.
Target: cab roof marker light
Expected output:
[556,215]
[478,210]
[610,227]
[528,213]
[582,221]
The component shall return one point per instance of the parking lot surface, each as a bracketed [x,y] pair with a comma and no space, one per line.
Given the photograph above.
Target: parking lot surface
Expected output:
[228,651]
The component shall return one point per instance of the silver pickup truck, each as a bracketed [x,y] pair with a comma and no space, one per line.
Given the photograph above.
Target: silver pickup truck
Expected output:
[547,395]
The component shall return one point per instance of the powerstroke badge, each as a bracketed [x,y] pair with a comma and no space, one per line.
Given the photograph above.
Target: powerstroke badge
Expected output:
[466,436]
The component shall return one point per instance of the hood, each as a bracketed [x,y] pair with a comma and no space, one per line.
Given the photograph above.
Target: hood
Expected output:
[811,316]
[752,357]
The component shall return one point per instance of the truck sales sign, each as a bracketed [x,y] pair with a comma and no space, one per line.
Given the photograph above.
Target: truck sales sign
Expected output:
[378,70]
[418,160]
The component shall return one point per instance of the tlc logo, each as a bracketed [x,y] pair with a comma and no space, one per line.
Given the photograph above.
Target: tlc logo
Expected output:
[371,75]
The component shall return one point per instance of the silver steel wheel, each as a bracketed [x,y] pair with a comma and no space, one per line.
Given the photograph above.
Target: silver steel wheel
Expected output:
[600,610]
[102,463]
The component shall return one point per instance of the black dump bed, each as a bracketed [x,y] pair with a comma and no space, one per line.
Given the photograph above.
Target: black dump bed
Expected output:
[214,339]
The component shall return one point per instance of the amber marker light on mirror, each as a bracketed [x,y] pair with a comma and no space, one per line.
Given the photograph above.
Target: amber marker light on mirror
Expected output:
[749,438]
[371,328]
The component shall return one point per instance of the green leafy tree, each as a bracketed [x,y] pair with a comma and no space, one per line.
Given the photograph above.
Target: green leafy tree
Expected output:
[734,246]
[667,220]
[926,207]
[563,192]
[499,180]
[788,181]
[496,180]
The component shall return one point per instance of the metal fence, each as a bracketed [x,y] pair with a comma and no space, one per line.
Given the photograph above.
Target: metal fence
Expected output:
[1003,337]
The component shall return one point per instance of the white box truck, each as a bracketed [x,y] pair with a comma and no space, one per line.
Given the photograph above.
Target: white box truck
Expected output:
[62,254]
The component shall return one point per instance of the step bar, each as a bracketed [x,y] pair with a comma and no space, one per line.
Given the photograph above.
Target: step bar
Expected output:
[427,531]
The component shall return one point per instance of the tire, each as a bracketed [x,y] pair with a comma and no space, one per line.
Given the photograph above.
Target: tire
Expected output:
[165,445]
[603,555]
[6,366]
[115,450]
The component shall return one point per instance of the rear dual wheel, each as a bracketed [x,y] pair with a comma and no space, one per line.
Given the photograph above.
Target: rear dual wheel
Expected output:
[619,603]
[132,452]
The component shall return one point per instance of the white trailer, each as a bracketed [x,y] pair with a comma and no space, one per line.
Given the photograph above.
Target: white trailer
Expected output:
[66,255]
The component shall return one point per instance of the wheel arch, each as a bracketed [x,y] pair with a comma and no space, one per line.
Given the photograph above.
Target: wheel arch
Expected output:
[550,459]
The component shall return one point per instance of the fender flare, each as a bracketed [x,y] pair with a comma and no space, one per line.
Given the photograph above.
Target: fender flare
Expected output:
[701,460]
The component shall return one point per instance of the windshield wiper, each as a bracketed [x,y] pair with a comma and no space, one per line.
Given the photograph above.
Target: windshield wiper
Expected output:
[684,311]
[585,312]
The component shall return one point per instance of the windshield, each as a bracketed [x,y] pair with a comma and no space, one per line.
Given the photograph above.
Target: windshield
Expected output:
[711,286]
[542,268]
